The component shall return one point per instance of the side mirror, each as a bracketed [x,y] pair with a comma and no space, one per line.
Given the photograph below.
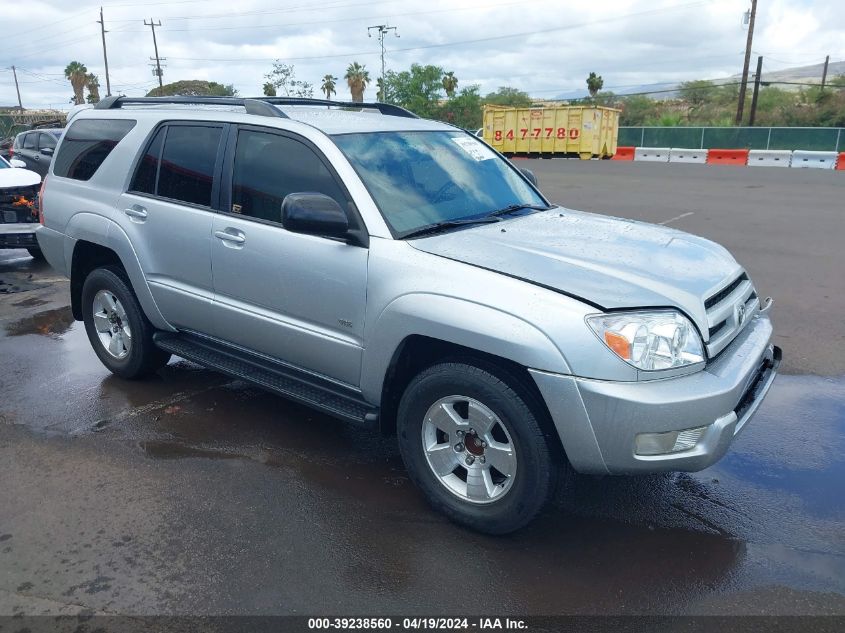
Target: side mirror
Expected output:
[315,214]
[47,151]
[530,175]
[17,162]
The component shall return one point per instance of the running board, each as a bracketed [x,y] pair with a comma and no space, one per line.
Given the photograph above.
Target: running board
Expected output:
[286,381]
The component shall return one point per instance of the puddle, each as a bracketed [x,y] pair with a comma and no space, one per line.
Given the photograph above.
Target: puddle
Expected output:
[29,303]
[13,286]
[53,323]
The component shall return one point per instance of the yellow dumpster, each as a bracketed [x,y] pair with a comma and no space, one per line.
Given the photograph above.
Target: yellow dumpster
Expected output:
[585,131]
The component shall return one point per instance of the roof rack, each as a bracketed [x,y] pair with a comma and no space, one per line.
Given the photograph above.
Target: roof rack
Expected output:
[262,106]
[385,108]
[252,106]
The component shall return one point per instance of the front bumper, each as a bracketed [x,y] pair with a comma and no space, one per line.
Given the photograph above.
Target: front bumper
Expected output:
[598,421]
[18,235]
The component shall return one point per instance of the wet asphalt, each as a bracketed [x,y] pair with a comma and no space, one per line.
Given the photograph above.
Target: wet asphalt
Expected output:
[190,493]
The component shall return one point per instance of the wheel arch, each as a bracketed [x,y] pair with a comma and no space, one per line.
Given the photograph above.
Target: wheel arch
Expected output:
[102,245]
[417,352]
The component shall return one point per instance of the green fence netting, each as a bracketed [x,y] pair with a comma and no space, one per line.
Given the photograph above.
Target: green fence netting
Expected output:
[824,139]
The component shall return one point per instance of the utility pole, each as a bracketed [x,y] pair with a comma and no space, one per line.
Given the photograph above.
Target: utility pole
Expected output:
[105,56]
[741,105]
[157,59]
[382,30]
[756,91]
[17,88]
[824,72]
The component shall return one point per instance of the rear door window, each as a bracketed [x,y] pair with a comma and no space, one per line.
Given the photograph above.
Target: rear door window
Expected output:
[46,141]
[187,164]
[29,141]
[87,144]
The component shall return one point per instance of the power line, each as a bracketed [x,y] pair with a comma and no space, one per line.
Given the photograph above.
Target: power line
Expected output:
[157,70]
[105,56]
[382,30]
[494,38]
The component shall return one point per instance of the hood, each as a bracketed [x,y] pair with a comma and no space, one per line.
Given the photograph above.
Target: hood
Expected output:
[604,261]
[18,177]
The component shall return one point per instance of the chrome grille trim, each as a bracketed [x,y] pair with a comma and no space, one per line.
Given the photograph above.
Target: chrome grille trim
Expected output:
[723,311]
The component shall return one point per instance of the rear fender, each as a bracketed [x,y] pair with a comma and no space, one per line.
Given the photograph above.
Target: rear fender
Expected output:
[103,232]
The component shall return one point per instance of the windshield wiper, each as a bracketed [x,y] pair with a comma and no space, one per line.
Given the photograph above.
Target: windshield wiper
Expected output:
[448,224]
[512,208]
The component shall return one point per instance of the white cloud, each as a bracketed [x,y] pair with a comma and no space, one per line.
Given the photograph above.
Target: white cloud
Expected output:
[628,42]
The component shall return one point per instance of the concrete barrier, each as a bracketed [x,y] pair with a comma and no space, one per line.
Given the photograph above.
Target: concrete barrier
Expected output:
[727,157]
[769,158]
[652,154]
[814,160]
[681,155]
[624,153]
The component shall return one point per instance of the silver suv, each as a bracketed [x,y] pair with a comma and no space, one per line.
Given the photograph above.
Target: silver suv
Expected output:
[398,272]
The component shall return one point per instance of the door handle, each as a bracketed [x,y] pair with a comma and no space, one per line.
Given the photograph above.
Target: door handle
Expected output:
[234,238]
[136,212]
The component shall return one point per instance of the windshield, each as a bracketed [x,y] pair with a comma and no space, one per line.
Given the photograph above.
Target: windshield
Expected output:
[418,179]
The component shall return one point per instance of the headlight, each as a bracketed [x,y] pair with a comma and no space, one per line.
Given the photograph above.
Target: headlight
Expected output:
[650,341]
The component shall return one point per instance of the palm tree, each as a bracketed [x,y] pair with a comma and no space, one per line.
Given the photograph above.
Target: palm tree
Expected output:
[594,84]
[450,82]
[269,90]
[357,77]
[329,86]
[92,83]
[77,74]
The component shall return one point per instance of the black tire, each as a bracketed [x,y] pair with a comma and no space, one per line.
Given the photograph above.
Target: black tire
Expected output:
[35,253]
[504,395]
[144,357]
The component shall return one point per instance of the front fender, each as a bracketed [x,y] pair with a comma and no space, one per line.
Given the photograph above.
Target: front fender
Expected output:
[457,321]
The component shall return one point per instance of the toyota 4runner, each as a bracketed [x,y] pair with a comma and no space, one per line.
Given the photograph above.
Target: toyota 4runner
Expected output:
[395,271]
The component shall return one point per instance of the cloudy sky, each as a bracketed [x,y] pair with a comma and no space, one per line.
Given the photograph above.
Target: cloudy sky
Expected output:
[545,47]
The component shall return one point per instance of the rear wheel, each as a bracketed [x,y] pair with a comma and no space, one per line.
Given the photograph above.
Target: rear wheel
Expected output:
[119,332]
[471,441]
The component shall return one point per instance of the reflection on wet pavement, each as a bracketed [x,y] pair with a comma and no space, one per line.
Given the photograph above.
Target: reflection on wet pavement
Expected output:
[256,490]
[47,323]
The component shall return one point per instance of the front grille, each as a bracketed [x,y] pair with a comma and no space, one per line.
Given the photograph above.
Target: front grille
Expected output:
[716,298]
[728,311]
[18,204]
[18,240]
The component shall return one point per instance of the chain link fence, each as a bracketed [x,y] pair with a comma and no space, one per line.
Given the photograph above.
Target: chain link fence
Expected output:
[824,139]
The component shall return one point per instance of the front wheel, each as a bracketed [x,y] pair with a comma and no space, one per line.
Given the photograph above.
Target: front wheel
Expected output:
[471,441]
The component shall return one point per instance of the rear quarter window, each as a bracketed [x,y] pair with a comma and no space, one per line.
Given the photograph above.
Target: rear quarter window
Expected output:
[86,145]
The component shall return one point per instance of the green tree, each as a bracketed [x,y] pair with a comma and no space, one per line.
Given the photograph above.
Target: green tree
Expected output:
[506,96]
[698,93]
[194,88]
[77,74]
[357,77]
[329,86]
[594,84]
[283,78]
[419,89]
[450,83]
[92,83]
[636,109]
[269,89]
[464,109]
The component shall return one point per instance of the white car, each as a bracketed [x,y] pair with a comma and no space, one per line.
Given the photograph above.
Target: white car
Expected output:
[19,206]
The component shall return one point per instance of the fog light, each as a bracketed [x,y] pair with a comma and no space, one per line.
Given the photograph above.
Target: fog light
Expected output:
[671,442]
